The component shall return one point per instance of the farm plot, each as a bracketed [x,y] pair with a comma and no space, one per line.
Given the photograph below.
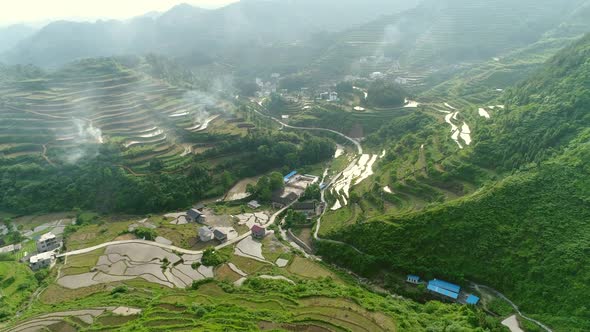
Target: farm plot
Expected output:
[354,174]
[121,262]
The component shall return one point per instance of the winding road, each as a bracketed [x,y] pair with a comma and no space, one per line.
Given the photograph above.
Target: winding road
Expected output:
[503,297]
[352,140]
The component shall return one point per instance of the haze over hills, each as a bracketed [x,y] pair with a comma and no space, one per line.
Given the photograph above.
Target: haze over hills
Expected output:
[185,30]
[11,35]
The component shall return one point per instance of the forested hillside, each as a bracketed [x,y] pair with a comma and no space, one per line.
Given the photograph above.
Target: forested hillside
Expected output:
[527,235]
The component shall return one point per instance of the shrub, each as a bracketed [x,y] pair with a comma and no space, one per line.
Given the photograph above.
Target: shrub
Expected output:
[119,290]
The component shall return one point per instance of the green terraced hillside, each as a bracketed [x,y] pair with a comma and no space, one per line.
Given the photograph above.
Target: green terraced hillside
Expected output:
[69,114]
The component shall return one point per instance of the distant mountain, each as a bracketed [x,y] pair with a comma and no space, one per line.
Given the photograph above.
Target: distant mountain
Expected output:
[11,35]
[186,30]
[440,33]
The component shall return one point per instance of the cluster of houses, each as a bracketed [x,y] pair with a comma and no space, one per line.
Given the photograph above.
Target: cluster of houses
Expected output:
[47,246]
[445,290]
[206,233]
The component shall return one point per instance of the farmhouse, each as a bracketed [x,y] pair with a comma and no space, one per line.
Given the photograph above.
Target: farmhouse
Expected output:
[310,209]
[46,259]
[443,288]
[258,232]
[219,235]
[205,234]
[47,242]
[194,215]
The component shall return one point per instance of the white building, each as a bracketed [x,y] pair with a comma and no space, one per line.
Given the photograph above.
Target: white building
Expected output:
[205,234]
[47,242]
[42,260]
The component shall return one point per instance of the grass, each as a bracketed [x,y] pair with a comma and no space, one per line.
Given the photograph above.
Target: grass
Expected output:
[94,234]
[308,269]
[224,273]
[16,284]
[247,265]
[334,220]
[81,263]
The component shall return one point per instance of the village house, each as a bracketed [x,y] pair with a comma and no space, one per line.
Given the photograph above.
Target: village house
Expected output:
[310,208]
[42,260]
[219,235]
[47,242]
[205,234]
[194,215]
[258,232]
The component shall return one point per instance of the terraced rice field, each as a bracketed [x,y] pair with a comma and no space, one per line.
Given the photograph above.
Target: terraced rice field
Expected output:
[67,115]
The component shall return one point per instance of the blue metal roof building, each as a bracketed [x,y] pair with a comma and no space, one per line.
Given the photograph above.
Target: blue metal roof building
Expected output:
[414,279]
[472,299]
[289,176]
[444,288]
[442,291]
[445,285]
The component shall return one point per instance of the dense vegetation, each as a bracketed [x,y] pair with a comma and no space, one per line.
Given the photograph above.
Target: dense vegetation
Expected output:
[99,184]
[526,235]
[384,94]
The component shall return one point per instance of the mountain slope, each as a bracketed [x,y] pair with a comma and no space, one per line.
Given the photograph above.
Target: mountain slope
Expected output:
[527,235]
[450,32]
[186,30]
[11,35]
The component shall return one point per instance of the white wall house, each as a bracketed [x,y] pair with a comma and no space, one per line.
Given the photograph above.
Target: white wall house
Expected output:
[47,242]
[42,260]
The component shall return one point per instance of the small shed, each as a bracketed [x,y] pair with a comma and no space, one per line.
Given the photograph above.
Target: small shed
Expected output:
[472,299]
[413,279]
[254,205]
[289,176]
[258,232]
[219,235]
[195,215]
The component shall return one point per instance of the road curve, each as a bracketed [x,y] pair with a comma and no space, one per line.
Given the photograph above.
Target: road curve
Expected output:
[358,145]
[502,296]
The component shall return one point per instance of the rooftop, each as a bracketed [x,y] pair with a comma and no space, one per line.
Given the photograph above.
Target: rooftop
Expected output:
[442,291]
[194,213]
[41,257]
[47,236]
[445,285]
[257,228]
[472,299]
[289,176]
